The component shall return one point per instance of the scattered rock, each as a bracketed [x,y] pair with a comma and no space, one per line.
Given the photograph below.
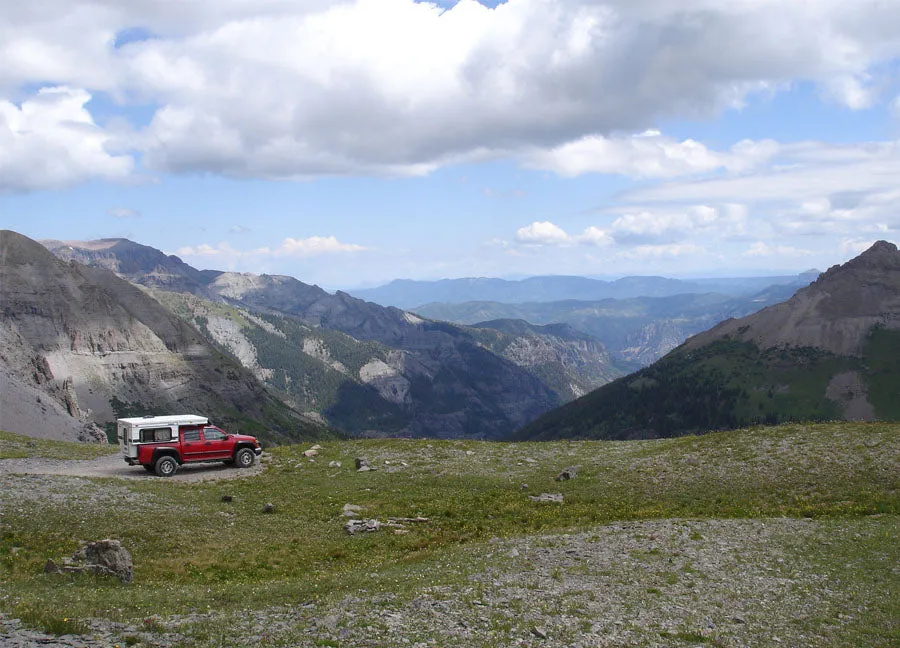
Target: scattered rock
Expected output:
[351,510]
[470,452]
[529,460]
[547,497]
[312,452]
[227,498]
[269,508]
[523,486]
[371,525]
[362,526]
[107,557]
[539,632]
[568,473]
[334,464]
[362,465]
[513,553]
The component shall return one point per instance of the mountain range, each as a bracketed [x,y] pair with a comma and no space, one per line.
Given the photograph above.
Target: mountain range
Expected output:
[362,368]
[832,351]
[635,331]
[410,294]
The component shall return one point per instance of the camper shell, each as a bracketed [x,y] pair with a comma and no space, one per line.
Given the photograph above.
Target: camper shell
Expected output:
[162,443]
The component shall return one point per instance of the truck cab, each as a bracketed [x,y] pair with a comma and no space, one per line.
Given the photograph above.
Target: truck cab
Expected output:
[163,443]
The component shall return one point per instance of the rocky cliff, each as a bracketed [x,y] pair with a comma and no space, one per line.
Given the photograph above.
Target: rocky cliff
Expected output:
[79,341]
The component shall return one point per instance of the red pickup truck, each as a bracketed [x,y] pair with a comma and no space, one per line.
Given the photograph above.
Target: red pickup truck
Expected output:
[162,443]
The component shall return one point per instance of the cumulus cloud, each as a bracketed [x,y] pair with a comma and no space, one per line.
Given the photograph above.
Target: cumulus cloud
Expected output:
[546,233]
[286,90]
[50,140]
[647,155]
[314,245]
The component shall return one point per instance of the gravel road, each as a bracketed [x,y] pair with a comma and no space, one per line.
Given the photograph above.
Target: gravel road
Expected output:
[114,466]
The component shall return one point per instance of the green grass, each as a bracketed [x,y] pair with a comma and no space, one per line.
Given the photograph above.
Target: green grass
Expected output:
[193,552]
[17,446]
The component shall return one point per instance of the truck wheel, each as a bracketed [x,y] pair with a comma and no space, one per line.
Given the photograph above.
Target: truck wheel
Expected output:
[166,466]
[244,458]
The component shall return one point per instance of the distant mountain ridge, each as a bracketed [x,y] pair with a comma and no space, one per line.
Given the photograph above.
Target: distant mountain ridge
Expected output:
[831,351]
[634,331]
[410,294]
[422,378]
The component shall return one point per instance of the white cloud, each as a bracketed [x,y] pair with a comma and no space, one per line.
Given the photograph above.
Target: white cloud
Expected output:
[282,89]
[50,140]
[542,233]
[547,234]
[124,212]
[763,249]
[647,155]
[314,245]
[290,247]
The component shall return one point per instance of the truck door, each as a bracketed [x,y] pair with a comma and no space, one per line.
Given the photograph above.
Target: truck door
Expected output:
[215,443]
[192,448]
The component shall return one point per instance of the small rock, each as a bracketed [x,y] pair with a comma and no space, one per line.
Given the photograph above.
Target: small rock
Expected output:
[334,464]
[102,557]
[227,498]
[269,508]
[362,465]
[539,632]
[513,553]
[530,460]
[470,452]
[547,497]
[362,526]
[312,452]
[523,486]
[568,473]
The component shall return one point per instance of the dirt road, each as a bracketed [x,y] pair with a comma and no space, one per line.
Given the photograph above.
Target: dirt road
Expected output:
[114,466]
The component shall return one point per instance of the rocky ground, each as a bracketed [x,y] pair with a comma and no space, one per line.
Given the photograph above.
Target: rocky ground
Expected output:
[666,582]
[651,583]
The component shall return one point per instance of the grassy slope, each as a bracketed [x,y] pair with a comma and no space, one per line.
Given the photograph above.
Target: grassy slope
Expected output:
[193,551]
[725,384]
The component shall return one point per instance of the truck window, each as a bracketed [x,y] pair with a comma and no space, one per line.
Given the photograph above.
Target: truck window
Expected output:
[191,435]
[213,434]
[150,435]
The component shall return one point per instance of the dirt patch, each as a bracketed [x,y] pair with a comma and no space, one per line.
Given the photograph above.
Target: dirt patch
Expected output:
[849,391]
[114,466]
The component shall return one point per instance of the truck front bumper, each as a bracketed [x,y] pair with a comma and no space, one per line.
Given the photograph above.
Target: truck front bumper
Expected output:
[131,461]
[257,451]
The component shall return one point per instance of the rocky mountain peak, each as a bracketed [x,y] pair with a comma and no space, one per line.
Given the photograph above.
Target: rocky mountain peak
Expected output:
[835,313]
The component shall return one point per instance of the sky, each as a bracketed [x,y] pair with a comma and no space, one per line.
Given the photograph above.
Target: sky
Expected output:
[351,142]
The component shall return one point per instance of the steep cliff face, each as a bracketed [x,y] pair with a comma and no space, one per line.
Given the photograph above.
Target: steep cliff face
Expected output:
[570,362]
[112,349]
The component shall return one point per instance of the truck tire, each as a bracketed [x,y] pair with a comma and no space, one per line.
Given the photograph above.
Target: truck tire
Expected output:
[166,466]
[244,458]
